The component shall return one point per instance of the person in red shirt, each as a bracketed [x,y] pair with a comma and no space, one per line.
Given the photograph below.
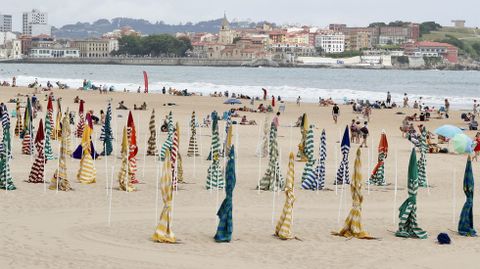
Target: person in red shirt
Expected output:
[477,146]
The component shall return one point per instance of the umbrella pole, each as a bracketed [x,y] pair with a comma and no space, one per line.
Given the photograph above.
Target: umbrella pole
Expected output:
[395,188]
[58,164]
[44,164]
[336,167]
[259,154]
[156,193]
[454,198]
[273,197]
[110,200]
[370,156]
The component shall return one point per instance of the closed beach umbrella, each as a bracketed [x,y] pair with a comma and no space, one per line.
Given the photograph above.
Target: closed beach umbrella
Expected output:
[133,149]
[321,168]
[448,131]
[152,140]
[38,167]
[163,232]
[422,162]
[81,122]
[462,144]
[378,173]
[48,130]
[78,153]
[169,140]
[284,225]
[27,132]
[408,226]
[225,224]
[67,132]
[87,173]
[214,173]
[273,179]
[19,124]
[465,225]
[309,175]
[6,181]
[107,134]
[60,179]
[174,156]
[123,176]
[353,223]
[343,173]
[302,151]
[262,150]
[57,128]
[192,144]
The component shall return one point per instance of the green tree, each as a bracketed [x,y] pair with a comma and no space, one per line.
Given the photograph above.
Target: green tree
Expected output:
[429,26]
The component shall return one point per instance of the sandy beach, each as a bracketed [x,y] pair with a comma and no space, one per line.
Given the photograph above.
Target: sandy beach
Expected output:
[44,229]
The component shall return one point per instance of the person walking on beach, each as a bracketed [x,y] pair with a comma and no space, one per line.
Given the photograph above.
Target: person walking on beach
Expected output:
[389,98]
[14,81]
[298,100]
[364,134]
[447,108]
[335,112]
[405,100]
[276,120]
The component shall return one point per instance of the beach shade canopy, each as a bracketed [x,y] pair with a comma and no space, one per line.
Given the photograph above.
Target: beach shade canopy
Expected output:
[225,224]
[408,226]
[465,225]
[448,131]
[343,173]
[462,144]
[378,174]
[232,101]
[283,230]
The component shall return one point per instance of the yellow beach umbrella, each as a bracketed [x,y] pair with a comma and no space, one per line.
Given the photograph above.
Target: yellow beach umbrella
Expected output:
[87,172]
[284,226]
[123,177]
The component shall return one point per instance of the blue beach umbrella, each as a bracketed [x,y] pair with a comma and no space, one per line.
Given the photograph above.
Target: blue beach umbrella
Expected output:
[232,101]
[462,144]
[448,131]
[465,225]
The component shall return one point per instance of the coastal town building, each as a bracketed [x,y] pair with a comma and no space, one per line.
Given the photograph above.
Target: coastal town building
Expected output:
[6,37]
[35,23]
[226,35]
[447,52]
[458,23]
[11,49]
[396,35]
[94,48]
[5,23]
[54,52]
[123,31]
[332,42]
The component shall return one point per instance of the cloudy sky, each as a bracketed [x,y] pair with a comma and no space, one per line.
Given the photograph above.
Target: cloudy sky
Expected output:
[310,12]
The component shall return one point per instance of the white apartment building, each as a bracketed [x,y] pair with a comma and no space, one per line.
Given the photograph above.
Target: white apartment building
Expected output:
[36,23]
[95,48]
[330,42]
[5,23]
[6,37]
[11,50]
[54,53]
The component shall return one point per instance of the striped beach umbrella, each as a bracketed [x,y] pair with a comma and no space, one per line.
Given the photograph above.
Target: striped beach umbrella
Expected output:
[465,225]
[214,117]
[81,121]
[273,179]
[6,181]
[262,150]
[152,140]
[284,225]
[343,173]
[192,144]
[422,162]
[225,223]
[107,133]
[57,128]
[169,140]
[353,222]
[302,148]
[19,124]
[67,132]
[38,167]
[378,174]
[60,178]
[163,232]
[228,140]
[408,226]
[87,173]
[174,155]
[123,176]
[133,149]
[214,173]
[48,130]
[309,175]
[179,176]
[78,153]
[321,168]
[228,125]
[26,135]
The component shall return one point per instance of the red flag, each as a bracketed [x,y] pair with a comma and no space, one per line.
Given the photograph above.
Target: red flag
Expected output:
[145,80]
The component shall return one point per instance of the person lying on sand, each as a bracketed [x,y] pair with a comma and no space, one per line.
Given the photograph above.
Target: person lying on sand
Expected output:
[141,107]
[244,121]
[121,106]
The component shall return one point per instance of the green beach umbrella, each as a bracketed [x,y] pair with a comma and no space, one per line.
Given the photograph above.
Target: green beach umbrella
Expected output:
[225,224]
[465,225]
[408,226]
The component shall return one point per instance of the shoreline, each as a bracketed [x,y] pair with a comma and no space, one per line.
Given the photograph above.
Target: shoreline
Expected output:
[221,63]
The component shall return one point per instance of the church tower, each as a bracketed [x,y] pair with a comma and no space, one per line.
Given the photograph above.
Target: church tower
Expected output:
[225,36]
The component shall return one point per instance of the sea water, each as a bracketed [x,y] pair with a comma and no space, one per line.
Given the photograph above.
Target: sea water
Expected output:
[460,87]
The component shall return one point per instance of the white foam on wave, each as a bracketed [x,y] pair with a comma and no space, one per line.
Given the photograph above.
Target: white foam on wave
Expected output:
[308,94]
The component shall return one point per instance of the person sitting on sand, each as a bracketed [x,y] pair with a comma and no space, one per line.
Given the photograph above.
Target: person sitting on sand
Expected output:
[244,121]
[412,118]
[95,119]
[164,127]
[76,100]
[141,107]
[102,116]
[121,106]
[261,108]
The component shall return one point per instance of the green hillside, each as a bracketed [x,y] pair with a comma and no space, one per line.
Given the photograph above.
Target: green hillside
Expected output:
[466,39]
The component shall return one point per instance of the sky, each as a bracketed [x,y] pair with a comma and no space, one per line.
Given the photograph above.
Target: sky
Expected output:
[306,12]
